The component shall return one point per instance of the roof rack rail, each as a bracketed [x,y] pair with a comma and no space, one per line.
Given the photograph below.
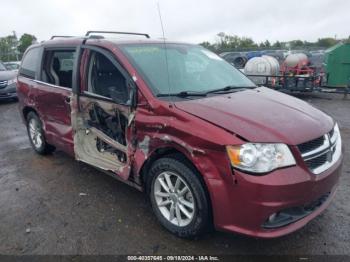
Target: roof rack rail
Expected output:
[60,36]
[113,32]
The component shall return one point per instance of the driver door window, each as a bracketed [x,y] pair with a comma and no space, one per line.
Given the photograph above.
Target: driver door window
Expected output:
[104,79]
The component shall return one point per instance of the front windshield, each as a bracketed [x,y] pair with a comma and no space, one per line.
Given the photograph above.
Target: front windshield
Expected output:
[183,68]
[12,66]
[2,67]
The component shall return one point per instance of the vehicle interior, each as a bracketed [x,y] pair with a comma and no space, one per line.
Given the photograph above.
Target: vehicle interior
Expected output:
[58,67]
[105,79]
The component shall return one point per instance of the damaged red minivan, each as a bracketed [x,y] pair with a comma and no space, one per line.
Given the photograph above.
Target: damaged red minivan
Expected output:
[176,121]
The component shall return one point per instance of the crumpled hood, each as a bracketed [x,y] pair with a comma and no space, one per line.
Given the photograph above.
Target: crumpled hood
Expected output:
[262,115]
[7,75]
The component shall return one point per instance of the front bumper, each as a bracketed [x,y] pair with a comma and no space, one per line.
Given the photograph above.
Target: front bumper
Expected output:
[245,206]
[8,92]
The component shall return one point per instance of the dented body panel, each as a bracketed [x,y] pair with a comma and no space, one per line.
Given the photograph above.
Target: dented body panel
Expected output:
[94,146]
[278,113]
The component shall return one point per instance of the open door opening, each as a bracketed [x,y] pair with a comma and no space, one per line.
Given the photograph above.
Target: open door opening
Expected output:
[101,121]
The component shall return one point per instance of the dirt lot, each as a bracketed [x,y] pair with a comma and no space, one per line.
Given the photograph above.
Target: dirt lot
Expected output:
[55,205]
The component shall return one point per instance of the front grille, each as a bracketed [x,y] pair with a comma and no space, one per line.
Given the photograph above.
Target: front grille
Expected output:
[320,153]
[316,162]
[3,84]
[311,145]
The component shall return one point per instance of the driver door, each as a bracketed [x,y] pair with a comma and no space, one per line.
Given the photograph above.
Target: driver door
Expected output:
[102,119]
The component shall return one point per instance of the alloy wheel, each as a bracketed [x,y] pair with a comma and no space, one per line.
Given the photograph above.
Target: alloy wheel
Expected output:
[35,133]
[174,198]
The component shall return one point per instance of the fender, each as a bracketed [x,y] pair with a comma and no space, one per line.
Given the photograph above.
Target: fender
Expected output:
[202,159]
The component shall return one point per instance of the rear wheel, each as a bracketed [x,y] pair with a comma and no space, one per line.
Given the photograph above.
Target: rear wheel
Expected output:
[178,198]
[36,135]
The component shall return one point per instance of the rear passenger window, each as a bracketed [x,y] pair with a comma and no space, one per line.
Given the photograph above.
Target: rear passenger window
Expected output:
[58,67]
[30,63]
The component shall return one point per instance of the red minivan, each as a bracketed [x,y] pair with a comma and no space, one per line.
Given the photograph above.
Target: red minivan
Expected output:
[176,121]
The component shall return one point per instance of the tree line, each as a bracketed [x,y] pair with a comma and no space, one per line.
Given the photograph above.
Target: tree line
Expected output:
[225,43]
[12,47]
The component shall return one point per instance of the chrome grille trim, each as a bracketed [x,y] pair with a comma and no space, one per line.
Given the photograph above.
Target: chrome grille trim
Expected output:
[330,150]
[323,147]
[3,84]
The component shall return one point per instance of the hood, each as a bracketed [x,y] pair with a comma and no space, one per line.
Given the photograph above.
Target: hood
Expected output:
[7,75]
[262,115]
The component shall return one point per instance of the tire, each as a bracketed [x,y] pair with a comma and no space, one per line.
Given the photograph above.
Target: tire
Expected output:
[197,220]
[36,135]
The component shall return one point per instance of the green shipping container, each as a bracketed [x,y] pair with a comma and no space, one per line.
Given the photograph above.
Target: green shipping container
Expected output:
[337,65]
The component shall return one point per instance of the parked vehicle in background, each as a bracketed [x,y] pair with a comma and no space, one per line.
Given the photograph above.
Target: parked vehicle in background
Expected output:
[8,82]
[13,66]
[178,122]
[237,59]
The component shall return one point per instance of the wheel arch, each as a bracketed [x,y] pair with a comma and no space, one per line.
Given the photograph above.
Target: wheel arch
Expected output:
[178,154]
[26,110]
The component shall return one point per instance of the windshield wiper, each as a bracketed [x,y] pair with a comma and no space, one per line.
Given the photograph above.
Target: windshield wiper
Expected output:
[230,88]
[183,94]
[191,93]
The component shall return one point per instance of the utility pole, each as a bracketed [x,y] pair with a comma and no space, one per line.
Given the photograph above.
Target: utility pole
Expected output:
[15,44]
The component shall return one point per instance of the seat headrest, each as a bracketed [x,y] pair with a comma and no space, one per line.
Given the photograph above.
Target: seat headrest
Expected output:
[56,64]
[104,65]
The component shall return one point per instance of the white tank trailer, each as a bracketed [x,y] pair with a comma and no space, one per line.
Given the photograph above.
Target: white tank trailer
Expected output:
[264,66]
[293,60]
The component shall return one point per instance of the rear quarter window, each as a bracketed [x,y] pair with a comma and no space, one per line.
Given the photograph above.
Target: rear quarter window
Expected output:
[30,63]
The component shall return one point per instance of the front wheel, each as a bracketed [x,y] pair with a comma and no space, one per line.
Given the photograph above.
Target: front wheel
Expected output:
[178,198]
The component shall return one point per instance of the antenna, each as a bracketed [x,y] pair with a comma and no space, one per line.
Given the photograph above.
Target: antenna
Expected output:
[161,20]
[165,47]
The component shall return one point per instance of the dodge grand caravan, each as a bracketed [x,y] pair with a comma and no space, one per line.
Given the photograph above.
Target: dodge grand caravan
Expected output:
[179,123]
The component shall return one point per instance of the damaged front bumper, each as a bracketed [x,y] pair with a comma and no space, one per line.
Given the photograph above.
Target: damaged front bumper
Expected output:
[275,204]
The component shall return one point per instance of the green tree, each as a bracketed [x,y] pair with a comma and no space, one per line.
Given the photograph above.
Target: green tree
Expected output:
[233,42]
[277,44]
[296,44]
[347,40]
[262,45]
[8,48]
[208,45]
[267,44]
[326,42]
[226,43]
[246,42]
[25,41]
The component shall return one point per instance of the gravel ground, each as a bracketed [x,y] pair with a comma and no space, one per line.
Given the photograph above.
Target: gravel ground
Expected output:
[55,205]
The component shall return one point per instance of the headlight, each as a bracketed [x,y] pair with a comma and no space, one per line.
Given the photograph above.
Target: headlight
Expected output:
[11,81]
[260,158]
[336,134]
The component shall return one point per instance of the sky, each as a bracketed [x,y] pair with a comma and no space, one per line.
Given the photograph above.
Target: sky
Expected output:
[192,21]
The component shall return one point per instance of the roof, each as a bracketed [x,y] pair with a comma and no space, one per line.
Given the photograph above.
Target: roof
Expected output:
[95,36]
[341,44]
[117,41]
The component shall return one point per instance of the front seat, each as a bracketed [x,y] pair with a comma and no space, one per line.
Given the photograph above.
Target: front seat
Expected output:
[108,76]
[55,68]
